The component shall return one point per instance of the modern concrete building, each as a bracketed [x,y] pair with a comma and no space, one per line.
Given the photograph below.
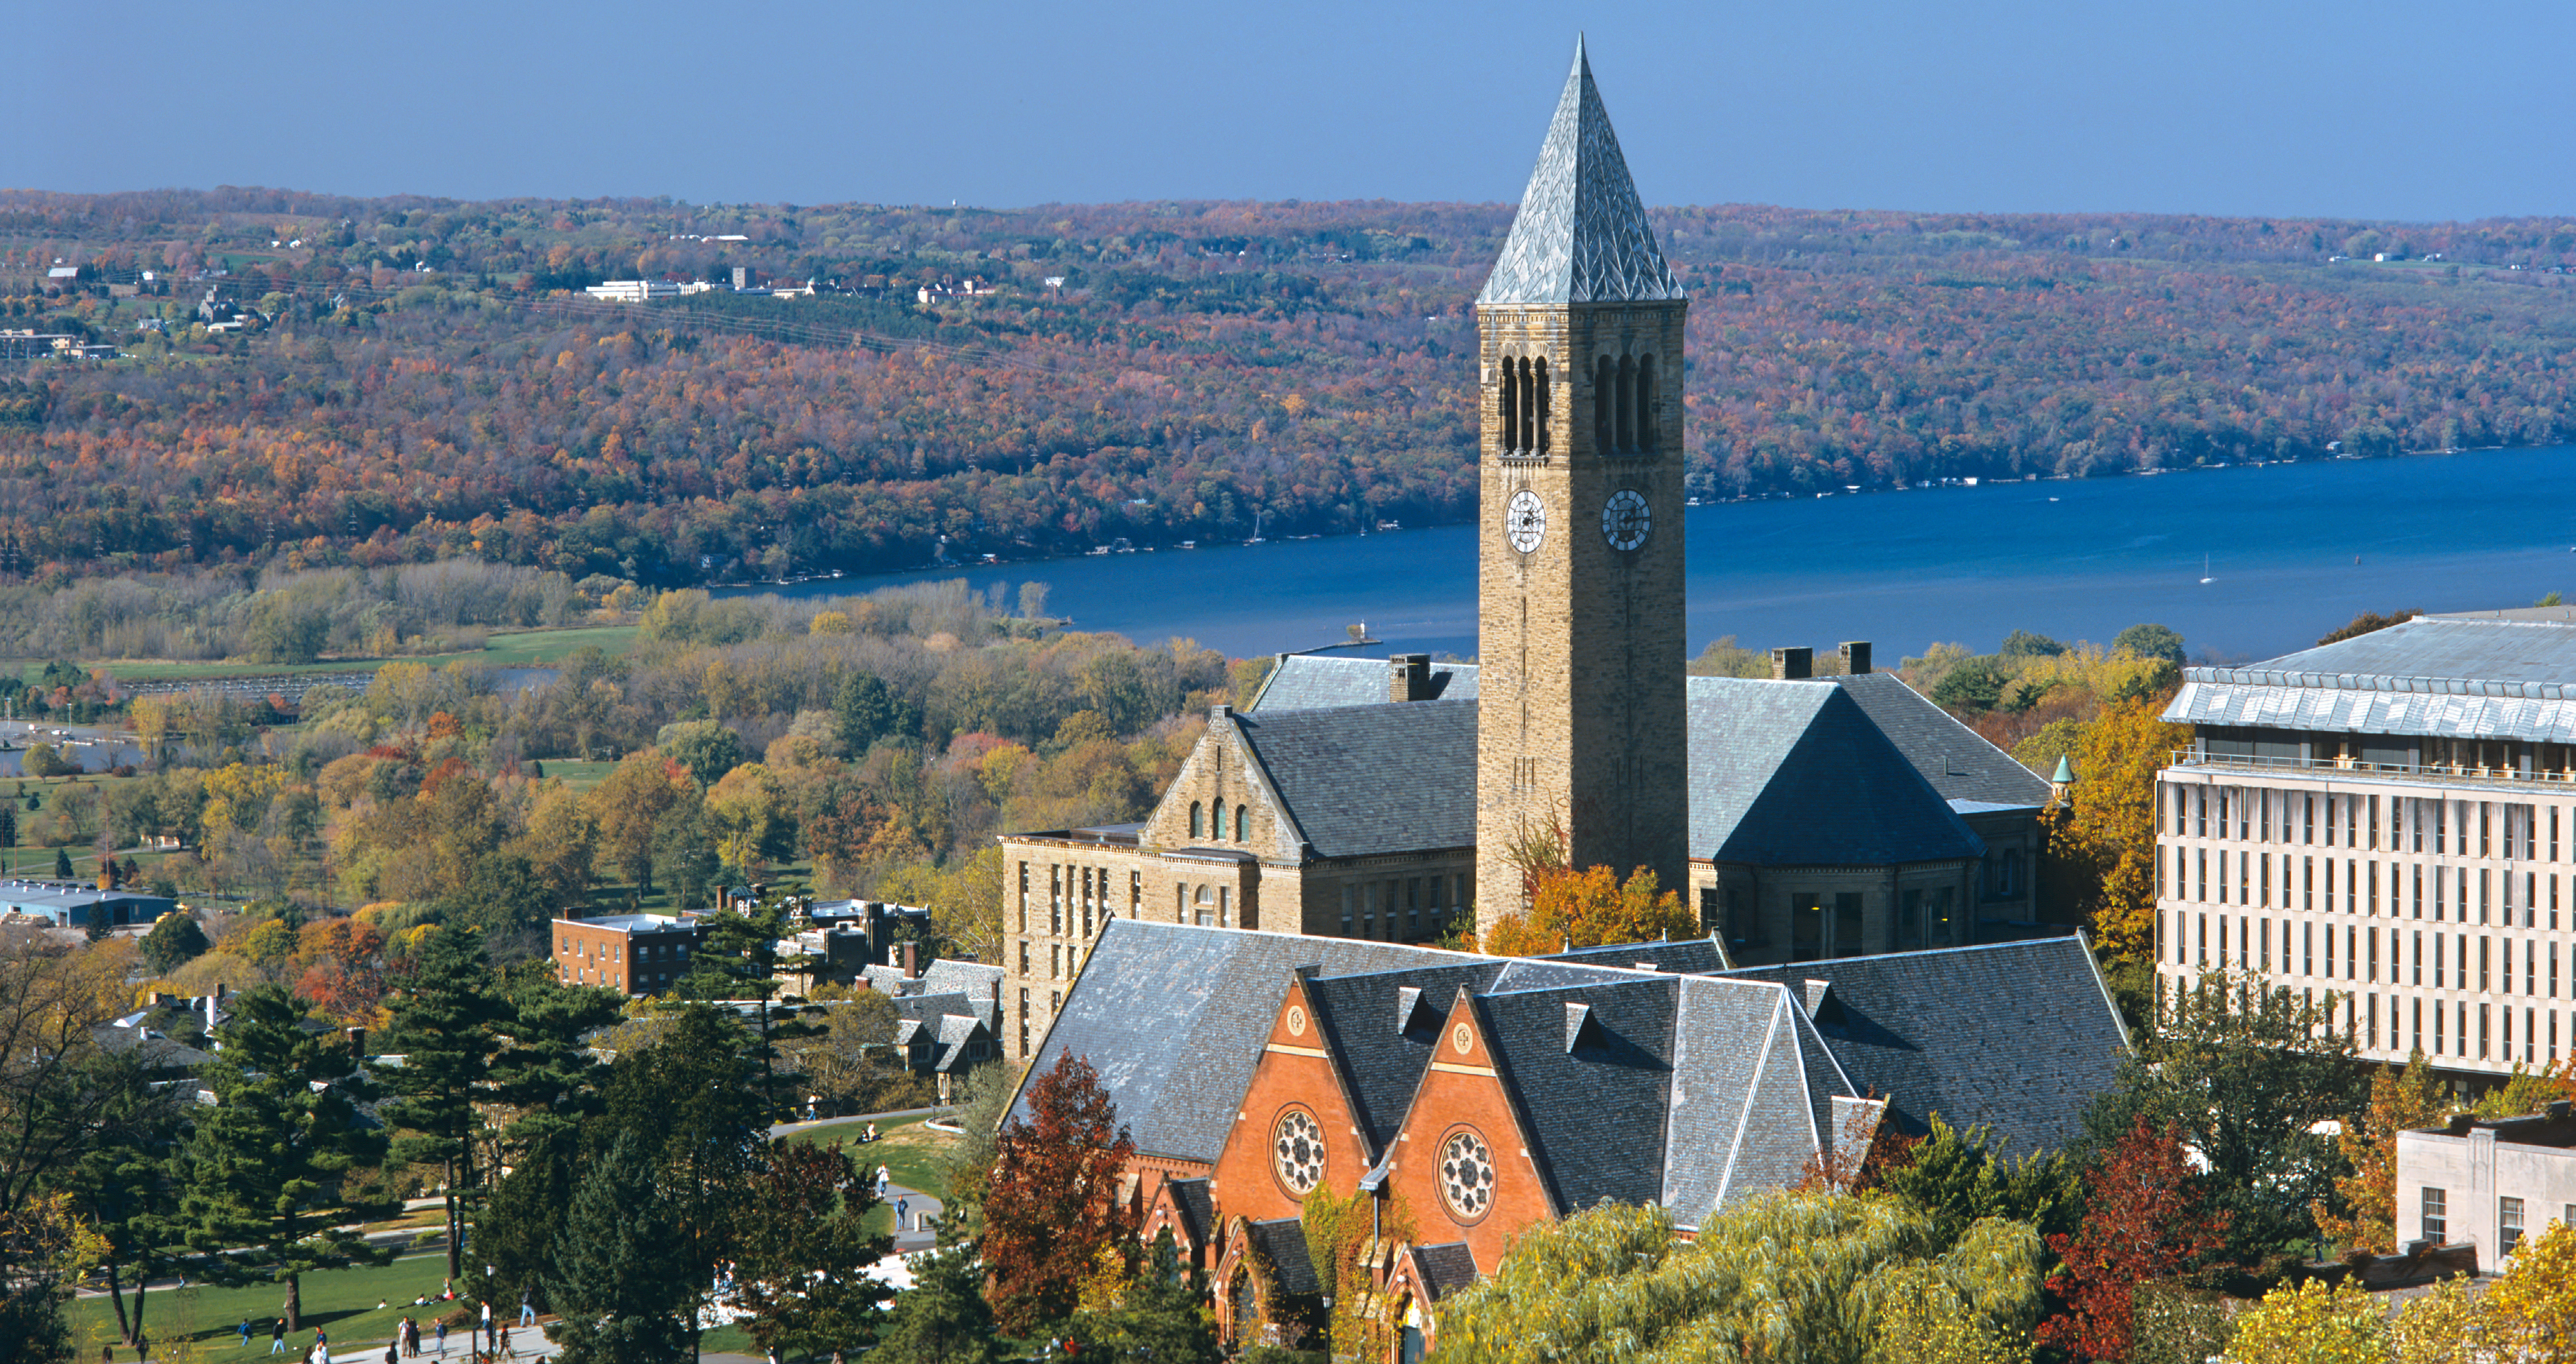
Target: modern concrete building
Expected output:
[2386,825]
[2488,1183]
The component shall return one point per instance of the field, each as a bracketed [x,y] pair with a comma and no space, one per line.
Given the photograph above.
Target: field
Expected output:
[518,649]
[341,1301]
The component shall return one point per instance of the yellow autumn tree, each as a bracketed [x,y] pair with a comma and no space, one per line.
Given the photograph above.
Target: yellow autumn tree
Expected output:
[2311,1324]
[2109,836]
[2531,1311]
[2399,1100]
[1588,909]
[2453,1324]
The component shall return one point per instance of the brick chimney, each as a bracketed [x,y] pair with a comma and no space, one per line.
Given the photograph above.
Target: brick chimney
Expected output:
[357,1043]
[1855,656]
[909,957]
[1789,665]
[1408,677]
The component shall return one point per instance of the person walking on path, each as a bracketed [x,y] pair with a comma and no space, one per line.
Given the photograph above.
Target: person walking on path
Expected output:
[504,1346]
[442,1337]
[527,1309]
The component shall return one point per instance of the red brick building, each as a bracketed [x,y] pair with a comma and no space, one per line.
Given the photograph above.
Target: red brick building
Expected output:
[640,954]
[1470,1097]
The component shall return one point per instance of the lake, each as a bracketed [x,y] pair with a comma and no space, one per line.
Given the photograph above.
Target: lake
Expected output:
[2293,551]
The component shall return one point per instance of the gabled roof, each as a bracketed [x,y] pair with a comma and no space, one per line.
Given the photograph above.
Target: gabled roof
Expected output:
[1360,780]
[1315,681]
[1958,761]
[1197,1211]
[1174,1016]
[1384,1038]
[1581,235]
[2017,1036]
[1795,773]
[1594,1109]
[1283,1239]
[1445,1268]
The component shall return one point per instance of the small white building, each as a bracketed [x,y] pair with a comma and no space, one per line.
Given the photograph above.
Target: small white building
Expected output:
[632,291]
[2487,1182]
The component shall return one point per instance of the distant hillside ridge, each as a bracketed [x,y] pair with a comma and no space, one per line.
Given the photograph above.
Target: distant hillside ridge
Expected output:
[313,380]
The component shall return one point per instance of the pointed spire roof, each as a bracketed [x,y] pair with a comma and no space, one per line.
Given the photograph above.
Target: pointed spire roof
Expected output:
[1582,235]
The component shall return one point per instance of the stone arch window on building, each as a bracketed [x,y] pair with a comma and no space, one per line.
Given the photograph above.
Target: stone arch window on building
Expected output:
[1605,401]
[1242,823]
[1627,403]
[1645,402]
[1198,814]
[1204,905]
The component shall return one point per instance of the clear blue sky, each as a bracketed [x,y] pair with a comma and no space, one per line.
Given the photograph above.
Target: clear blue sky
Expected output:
[2419,110]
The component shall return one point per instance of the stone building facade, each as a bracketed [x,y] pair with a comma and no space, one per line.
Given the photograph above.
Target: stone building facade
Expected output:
[1579,560]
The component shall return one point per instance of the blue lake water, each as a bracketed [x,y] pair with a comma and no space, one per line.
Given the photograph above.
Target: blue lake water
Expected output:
[2293,551]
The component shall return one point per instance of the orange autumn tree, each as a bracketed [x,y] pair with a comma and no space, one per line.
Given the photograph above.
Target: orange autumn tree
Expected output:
[2399,1100]
[1588,908]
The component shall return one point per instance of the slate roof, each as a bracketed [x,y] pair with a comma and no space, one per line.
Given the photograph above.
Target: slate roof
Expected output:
[150,1047]
[1687,956]
[1197,1211]
[1958,762]
[2493,677]
[1594,1111]
[1789,773]
[1445,1268]
[1386,1036]
[1315,681]
[1581,235]
[2016,1036]
[1360,780]
[1173,1016]
[1283,1239]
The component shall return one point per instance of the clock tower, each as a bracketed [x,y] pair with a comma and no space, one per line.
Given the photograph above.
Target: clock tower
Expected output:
[1581,725]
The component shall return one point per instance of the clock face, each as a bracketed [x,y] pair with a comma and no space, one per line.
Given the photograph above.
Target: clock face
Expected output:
[1525,521]
[1624,519]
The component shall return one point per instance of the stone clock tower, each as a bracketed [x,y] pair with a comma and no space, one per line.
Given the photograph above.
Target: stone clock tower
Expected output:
[1580,719]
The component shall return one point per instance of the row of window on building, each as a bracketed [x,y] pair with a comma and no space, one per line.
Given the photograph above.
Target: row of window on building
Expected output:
[1832,924]
[2454,1029]
[1623,404]
[1202,827]
[2419,890]
[1405,909]
[2510,1219]
[2261,814]
[2446,967]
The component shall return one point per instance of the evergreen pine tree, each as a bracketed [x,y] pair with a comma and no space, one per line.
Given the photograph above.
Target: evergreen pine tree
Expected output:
[622,1281]
[62,865]
[942,1318]
[1163,1320]
[265,1196]
[444,1025]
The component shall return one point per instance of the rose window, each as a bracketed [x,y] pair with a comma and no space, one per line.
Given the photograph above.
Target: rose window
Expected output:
[1467,1175]
[1297,1151]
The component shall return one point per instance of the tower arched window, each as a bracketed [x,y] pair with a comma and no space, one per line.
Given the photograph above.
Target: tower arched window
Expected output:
[1198,815]
[1538,394]
[1511,403]
[1605,402]
[1646,422]
[1627,403]
[1242,823]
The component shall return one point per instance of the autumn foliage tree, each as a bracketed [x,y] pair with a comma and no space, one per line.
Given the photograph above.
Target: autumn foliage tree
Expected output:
[2400,1100]
[1588,908]
[1051,1207]
[2109,836]
[2143,1222]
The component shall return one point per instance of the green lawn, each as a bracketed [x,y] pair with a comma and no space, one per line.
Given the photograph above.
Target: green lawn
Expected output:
[908,1150]
[518,649]
[342,1301]
[580,776]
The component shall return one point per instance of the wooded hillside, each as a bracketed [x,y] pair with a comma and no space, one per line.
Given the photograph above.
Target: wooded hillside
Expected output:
[1198,365]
